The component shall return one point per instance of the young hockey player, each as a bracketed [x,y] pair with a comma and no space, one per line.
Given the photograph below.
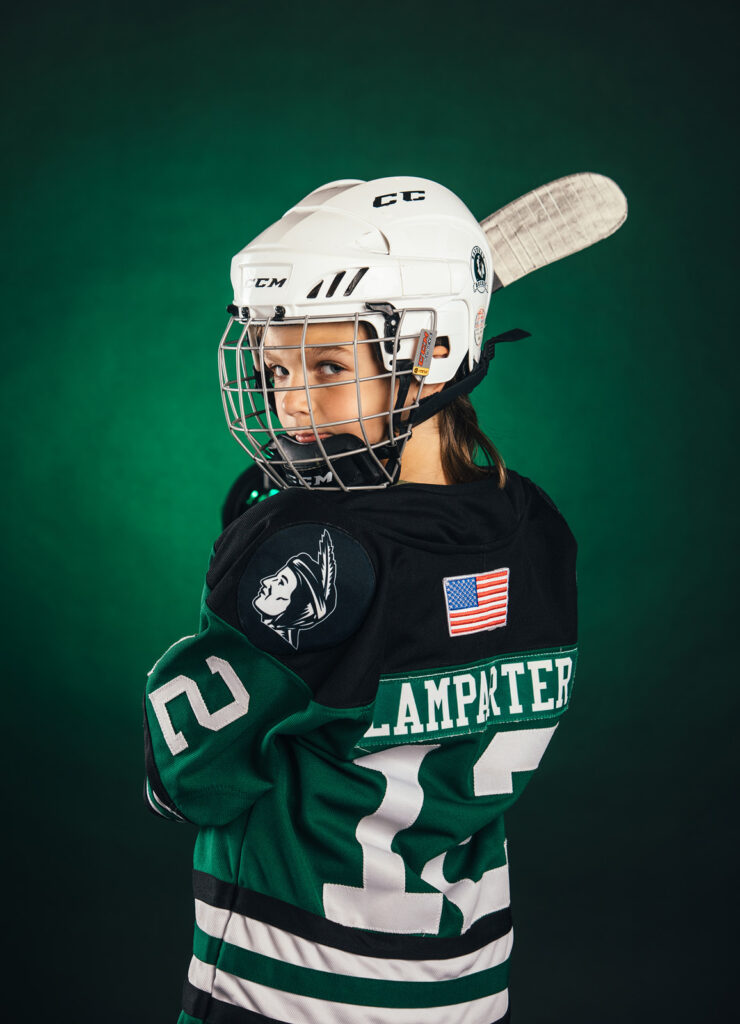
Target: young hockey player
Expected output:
[386,644]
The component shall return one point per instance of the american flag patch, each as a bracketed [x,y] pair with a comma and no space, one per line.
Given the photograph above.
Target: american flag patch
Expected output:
[476,602]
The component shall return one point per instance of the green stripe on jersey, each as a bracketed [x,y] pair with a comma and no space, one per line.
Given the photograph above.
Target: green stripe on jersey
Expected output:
[306,981]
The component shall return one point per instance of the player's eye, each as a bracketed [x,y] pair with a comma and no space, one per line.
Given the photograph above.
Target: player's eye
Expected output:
[331,369]
[275,371]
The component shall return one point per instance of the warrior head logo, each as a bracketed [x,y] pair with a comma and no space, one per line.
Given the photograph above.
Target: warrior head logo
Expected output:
[300,594]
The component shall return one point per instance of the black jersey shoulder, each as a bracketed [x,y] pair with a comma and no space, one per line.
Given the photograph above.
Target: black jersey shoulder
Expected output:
[542,507]
[289,508]
[296,576]
[390,554]
[434,544]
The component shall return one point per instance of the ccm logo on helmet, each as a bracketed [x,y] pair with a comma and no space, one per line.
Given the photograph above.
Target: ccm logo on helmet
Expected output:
[265,282]
[390,198]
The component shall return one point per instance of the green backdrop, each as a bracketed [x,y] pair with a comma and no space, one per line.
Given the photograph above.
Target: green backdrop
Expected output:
[145,144]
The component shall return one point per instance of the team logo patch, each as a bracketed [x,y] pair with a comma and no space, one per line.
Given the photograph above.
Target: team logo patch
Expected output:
[300,594]
[307,587]
[479,270]
[476,602]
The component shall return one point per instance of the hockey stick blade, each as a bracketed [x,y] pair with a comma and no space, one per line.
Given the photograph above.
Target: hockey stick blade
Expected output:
[551,222]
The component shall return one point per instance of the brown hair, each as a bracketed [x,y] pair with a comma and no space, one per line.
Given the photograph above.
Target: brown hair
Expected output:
[462,441]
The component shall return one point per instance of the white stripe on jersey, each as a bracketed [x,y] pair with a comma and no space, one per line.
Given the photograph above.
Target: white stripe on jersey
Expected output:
[267,940]
[300,1009]
[158,806]
[152,804]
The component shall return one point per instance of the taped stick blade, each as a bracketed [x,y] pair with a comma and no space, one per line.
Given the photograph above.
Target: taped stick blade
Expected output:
[551,222]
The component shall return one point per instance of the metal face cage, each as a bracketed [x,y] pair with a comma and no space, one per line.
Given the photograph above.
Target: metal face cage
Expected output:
[341,460]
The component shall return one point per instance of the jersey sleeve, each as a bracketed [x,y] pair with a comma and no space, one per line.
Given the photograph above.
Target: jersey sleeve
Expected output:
[215,708]
[285,596]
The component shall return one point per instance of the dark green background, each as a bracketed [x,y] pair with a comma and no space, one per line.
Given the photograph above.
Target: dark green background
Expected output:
[145,144]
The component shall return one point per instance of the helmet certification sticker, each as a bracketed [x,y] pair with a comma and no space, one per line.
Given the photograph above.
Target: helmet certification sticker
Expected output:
[480,323]
[306,588]
[479,270]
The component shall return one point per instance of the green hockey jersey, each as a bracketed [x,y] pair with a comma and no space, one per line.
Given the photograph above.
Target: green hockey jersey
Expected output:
[375,678]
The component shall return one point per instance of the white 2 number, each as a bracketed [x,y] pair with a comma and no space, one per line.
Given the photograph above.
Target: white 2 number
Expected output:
[215,720]
[382,903]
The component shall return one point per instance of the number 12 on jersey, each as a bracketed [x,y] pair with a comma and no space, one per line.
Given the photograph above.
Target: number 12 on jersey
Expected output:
[382,903]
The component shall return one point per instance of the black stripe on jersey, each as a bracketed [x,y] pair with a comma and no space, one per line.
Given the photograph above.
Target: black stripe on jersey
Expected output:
[213,1011]
[388,945]
[152,774]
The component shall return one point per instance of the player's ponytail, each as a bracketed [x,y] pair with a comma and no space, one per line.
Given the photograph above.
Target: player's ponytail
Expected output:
[462,442]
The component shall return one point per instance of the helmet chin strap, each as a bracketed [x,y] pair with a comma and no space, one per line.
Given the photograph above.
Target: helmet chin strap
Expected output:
[431,405]
[348,462]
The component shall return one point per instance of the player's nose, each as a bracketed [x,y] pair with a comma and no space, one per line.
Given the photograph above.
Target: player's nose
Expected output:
[295,401]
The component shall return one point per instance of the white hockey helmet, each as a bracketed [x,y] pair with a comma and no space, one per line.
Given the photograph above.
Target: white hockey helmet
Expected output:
[403,256]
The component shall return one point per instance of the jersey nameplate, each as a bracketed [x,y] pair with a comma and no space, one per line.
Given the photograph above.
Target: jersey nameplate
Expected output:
[467,699]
